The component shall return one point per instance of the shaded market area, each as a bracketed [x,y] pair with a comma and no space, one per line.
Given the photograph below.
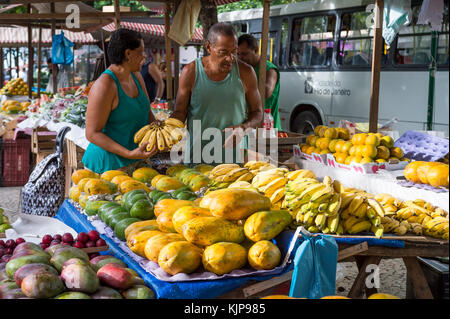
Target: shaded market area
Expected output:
[322,147]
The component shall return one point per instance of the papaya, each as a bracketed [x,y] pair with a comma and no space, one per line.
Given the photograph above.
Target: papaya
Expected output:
[80,278]
[168,183]
[130,185]
[98,186]
[198,183]
[116,218]
[42,285]
[171,171]
[82,183]
[165,223]
[78,175]
[131,199]
[111,212]
[13,265]
[130,194]
[187,196]
[104,292]
[170,205]
[156,243]
[204,168]
[156,179]
[224,257]
[119,228]
[141,226]
[180,257]
[136,241]
[205,231]
[83,200]
[74,193]
[154,194]
[145,174]
[184,175]
[164,196]
[138,292]
[92,206]
[72,295]
[109,175]
[119,179]
[235,204]
[264,255]
[105,207]
[186,213]
[180,190]
[266,225]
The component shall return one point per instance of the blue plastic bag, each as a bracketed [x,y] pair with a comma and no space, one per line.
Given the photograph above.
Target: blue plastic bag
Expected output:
[62,49]
[315,264]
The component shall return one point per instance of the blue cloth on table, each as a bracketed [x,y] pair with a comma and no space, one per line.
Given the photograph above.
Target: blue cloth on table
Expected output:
[69,215]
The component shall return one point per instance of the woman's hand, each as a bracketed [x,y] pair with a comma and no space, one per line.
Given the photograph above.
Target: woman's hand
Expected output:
[141,152]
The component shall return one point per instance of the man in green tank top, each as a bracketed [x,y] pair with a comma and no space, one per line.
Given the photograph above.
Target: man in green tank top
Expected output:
[249,53]
[218,92]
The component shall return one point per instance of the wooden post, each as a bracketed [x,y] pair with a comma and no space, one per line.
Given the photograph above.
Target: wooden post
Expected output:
[30,56]
[176,57]
[54,75]
[39,64]
[2,71]
[376,67]
[168,56]
[263,60]
[117,13]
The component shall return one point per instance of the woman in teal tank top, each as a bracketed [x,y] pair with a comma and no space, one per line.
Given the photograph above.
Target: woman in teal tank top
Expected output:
[118,107]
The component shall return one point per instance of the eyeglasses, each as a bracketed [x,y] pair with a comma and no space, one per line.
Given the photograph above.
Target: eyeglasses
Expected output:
[223,53]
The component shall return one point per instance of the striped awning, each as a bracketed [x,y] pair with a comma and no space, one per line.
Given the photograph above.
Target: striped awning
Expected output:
[156,30]
[19,35]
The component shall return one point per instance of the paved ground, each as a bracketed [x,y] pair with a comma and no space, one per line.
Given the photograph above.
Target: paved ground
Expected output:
[392,271]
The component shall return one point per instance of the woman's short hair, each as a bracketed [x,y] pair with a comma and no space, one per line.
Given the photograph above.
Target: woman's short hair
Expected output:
[120,41]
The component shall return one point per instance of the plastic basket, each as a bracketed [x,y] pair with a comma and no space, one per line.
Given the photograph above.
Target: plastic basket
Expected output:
[16,162]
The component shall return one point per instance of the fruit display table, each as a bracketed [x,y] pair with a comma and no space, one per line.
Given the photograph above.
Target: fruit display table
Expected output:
[382,182]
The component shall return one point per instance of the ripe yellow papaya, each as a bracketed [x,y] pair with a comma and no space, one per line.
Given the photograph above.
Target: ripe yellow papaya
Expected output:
[145,174]
[119,179]
[99,186]
[264,255]
[224,257]
[266,225]
[128,186]
[74,193]
[186,213]
[109,175]
[137,240]
[82,183]
[83,200]
[165,223]
[205,231]
[156,243]
[235,204]
[171,171]
[168,183]
[78,175]
[170,205]
[156,179]
[141,226]
[180,257]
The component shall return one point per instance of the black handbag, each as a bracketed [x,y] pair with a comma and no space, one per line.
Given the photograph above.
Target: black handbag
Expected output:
[44,192]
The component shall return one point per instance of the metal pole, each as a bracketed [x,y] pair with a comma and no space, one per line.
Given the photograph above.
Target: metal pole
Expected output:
[376,67]
[432,80]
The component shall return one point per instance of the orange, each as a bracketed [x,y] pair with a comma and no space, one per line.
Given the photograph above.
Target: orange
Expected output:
[352,150]
[361,139]
[380,160]
[324,144]
[332,145]
[373,140]
[317,129]
[383,152]
[369,151]
[322,131]
[422,171]
[387,141]
[310,139]
[340,157]
[304,147]
[345,148]
[331,133]
[359,150]
[397,152]
[348,160]
[380,136]
[438,176]
[310,150]
[343,133]
[410,171]
[338,146]
[354,139]
[366,160]
[323,152]
[357,159]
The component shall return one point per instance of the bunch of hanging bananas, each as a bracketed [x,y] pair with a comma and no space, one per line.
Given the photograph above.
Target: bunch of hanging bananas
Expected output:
[419,217]
[361,212]
[224,175]
[163,135]
[258,166]
[315,205]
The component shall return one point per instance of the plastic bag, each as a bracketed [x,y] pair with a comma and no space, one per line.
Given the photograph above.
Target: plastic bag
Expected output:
[62,50]
[315,265]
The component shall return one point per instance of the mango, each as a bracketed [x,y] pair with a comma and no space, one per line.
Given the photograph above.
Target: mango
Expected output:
[13,265]
[106,261]
[80,278]
[205,231]
[186,213]
[235,204]
[28,269]
[42,285]
[117,277]
[156,243]
[264,255]
[137,241]
[180,257]
[266,225]
[104,292]
[138,292]
[61,255]
[72,295]
[223,257]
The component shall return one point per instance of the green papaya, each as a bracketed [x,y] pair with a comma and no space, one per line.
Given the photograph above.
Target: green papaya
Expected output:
[142,209]
[154,194]
[93,206]
[180,190]
[114,211]
[131,193]
[186,196]
[131,200]
[164,196]
[119,228]
[106,207]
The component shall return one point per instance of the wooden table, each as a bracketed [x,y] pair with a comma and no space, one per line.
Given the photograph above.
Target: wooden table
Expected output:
[363,255]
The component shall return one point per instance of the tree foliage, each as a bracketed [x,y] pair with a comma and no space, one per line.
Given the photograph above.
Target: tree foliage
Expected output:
[250,4]
[133,4]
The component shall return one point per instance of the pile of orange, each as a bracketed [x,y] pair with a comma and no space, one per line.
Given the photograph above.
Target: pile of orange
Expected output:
[431,173]
[324,139]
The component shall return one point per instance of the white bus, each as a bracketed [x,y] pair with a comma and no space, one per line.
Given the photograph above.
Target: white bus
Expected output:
[324,49]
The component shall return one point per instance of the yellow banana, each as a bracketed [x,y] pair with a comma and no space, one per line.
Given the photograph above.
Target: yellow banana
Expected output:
[334,205]
[310,190]
[222,166]
[333,223]
[348,224]
[321,220]
[361,212]
[338,187]
[345,214]
[406,224]
[360,227]
[376,206]
[160,140]
[141,133]
[174,122]
[151,140]
[274,185]
[417,229]
[346,199]
[234,174]
[277,195]
[175,133]
[323,207]
[355,203]
[323,195]
[145,138]
[247,177]
[299,217]
[167,137]
[377,230]
[376,221]
[313,229]
[327,180]
[400,230]
[340,230]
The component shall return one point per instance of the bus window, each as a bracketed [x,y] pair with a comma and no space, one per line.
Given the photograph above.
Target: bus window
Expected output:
[312,41]
[443,53]
[414,42]
[284,41]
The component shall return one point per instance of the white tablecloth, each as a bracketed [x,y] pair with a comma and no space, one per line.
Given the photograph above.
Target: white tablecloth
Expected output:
[383,182]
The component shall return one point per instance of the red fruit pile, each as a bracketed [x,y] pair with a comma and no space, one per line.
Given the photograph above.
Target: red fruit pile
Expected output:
[7,248]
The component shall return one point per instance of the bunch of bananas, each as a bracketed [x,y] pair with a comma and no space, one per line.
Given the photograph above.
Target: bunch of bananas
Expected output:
[301,173]
[418,216]
[258,166]
[163,135]
[224,175]
[315,205]
[14,107]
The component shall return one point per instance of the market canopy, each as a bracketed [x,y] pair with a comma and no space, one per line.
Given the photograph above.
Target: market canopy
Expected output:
[19,36]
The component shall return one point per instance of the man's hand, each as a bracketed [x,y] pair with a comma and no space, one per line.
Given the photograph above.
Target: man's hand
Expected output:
[141,152]
[236,134]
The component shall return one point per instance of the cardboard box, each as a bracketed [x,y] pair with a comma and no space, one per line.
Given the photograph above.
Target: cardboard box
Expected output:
[369,168]
[316,158]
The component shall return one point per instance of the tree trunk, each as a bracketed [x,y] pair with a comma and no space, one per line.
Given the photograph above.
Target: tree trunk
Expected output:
[208,17]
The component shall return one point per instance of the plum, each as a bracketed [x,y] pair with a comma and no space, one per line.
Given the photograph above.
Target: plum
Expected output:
[90,244]
[93,255]
[10,243]
[57,237]
[19,240]
[43,245]
[2,243]
[78,244]
[9,251]
[83,237]
[67,238]
[100,242]
[5,258]
[93,235]
[2,251]
[47,239]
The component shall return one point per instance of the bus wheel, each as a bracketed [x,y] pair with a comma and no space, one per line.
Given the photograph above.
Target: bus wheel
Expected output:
[305,122]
